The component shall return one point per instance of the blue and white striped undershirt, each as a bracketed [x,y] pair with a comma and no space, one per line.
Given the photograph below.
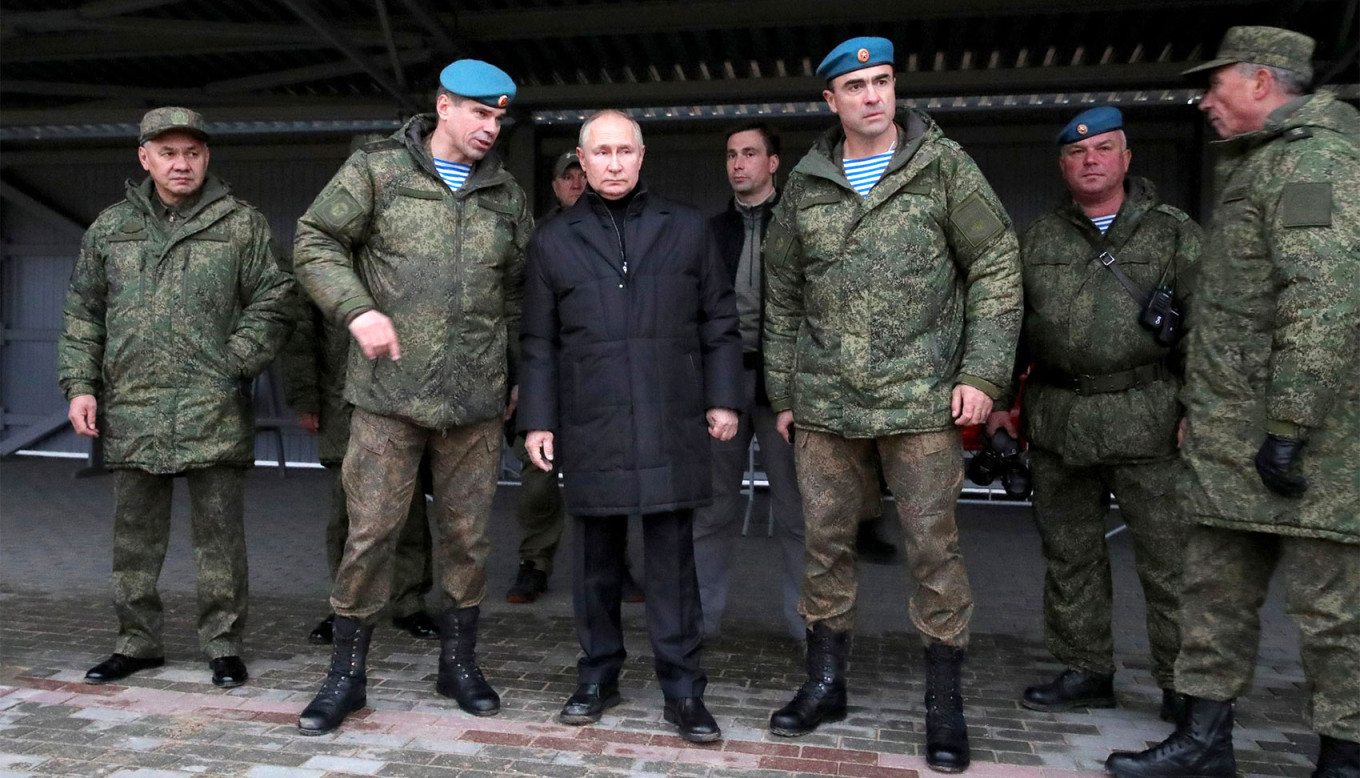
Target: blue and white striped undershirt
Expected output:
[453,173]
[1103,223]
[864,172]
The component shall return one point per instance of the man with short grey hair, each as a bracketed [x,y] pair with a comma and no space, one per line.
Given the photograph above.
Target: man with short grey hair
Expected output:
[176,302]
[1272,435]
[629,334]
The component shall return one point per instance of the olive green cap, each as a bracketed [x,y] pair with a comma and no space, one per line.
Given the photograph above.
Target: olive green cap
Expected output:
[1263,46]
[158,121]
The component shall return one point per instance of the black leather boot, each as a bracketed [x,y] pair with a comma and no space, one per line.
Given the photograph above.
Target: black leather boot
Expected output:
[1070,690]
[1338,759]
[1173,706]
[946,729]
[345,688]
[822,695]
[459,676]
[1201,747]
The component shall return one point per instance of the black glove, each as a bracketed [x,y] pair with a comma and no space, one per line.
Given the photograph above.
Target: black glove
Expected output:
[1278,464]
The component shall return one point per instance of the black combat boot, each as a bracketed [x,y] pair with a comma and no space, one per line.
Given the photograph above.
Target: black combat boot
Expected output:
[1201,747]
[822,695]
[1338,759]
[946,730]
[1173,706]
[1070,690]
[459,676]
[345,688]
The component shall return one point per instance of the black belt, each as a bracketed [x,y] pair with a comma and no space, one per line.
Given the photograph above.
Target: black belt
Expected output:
[1106,382]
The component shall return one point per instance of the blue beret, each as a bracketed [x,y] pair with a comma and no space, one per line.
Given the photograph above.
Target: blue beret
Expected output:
[1091,122]
[480,81]
[856,54]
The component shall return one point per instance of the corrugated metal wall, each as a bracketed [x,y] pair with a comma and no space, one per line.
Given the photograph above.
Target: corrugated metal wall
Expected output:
[282,180]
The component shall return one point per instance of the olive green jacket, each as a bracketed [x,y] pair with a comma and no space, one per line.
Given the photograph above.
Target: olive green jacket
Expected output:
[314,364]
[1275,342]
[448,268]
[877,307]
[1079,320]
[167,323]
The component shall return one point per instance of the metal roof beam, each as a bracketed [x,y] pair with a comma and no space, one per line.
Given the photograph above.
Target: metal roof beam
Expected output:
[280,78]
[625,19]
[922,84]
[306,13]
[190,36]
[431,23]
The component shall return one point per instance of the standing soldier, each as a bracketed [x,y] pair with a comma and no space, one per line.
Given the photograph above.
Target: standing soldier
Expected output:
[891,316]
[314,371]
[1091,270]
[1272,397]
[175,304]
[417,246]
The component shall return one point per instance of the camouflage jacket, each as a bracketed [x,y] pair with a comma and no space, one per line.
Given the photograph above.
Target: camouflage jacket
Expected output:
[448,268]
[167,323]
[877,307]
[1079,320]
[314,363]
[1275,345]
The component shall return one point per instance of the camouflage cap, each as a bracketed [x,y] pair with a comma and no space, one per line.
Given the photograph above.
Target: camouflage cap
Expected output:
[1263,46]
[566,161]
[162,120]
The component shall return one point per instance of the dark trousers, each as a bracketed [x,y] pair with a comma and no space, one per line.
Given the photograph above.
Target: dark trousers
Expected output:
[674,616]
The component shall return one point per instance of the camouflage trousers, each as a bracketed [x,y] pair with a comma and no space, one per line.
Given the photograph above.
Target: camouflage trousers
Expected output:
[141,535]
[380,473]
[925,472]
[1069,508]
[540,515]
[412,571]
[1226,576]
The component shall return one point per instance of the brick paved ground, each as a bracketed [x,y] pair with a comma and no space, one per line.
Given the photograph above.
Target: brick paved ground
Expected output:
[55,621]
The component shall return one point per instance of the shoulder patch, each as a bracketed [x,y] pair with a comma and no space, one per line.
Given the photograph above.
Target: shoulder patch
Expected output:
[974,218]
[338,209]
[1306,205]
[1173,212]
[384,144]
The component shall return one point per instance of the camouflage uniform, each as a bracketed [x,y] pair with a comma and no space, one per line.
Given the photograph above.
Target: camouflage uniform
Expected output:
[866,308]
[1120,436]
[170,314]
[387,234]
[314,364]
[1275,348]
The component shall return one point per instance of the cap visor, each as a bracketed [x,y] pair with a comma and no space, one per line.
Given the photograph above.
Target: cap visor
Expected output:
[1212,64]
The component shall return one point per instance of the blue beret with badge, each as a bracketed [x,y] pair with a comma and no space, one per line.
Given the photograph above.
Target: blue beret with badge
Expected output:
[856,54]
[480,81]
[1090,123]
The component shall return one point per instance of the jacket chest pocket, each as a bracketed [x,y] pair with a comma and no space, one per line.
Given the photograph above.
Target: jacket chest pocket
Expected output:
[488,237]
[823,220]
[417,225]
[209,276]
[124,268]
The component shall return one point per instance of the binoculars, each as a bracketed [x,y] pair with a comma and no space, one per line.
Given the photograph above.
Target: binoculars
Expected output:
[1001,458]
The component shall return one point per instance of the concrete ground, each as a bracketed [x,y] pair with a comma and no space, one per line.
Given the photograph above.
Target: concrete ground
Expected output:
[56,621]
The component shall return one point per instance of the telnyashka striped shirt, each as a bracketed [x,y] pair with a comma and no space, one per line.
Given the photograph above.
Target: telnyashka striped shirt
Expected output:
[1103,223]
[864,172]
[453,173]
